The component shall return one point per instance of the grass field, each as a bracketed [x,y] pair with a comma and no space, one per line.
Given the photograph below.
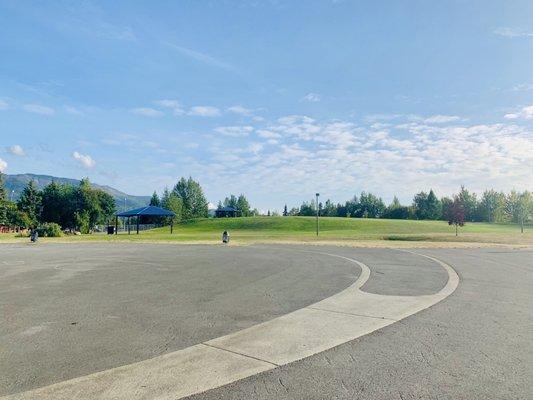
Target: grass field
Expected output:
[302,229]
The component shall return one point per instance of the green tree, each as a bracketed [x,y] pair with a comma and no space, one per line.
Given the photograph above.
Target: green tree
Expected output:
[16,218]
[369,206]
[490,207]
[171,202]
[155,201]
[285,211]
[52,203]
[3,192]
[231,201]
[427,206]
[519,207]
[469,202]
[243,205]
[192,196]
[396,211]
[3,201]
[30,203]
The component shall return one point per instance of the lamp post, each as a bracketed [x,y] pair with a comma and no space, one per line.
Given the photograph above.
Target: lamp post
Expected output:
[12,194]
[317,210]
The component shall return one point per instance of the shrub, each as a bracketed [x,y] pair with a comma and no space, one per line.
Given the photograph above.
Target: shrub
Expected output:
[49,229]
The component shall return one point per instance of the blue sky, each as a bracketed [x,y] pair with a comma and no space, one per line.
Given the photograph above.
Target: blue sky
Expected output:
[275,99]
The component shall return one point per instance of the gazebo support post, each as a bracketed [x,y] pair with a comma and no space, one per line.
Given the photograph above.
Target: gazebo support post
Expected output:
[129,226]
[138,219]
[171,226]
[116,225]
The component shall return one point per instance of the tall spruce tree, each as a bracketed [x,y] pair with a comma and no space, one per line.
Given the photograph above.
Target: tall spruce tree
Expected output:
[30,203]
[155,201]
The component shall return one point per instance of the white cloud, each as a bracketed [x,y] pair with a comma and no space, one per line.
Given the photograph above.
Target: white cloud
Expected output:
[441,119]
[524,113]
[264,133]
[240,110]
[174,105]
[204,111]
[396,159]
[234,131]
[147,112]
[311,97]
[3,165]
[3,105]
[512,32]
[84,159]
[16,150]
[38,109]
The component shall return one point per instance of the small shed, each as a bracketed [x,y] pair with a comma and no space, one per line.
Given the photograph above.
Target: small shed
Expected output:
[227,212]
[152,211]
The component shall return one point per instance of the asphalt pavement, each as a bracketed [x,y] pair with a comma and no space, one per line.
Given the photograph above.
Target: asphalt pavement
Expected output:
[75,309]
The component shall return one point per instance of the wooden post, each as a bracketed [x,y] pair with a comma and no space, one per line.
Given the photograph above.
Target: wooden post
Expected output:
[171,226]
[116,224]
[129,226]
[138,219]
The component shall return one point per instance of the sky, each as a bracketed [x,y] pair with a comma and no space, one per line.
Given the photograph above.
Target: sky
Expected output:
[274,99]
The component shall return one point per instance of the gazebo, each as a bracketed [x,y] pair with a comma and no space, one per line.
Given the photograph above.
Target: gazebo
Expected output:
[227,212]
[151,211]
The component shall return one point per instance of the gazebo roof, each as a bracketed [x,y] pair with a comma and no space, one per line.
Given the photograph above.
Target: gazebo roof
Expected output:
[227,209]
[148,210]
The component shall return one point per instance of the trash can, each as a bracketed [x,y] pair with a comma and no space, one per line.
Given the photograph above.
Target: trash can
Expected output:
[110,230]
[225,237]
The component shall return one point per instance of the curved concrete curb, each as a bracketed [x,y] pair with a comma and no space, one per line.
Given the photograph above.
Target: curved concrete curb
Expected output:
[328,323]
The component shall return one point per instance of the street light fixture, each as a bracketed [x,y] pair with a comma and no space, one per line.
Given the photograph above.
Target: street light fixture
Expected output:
[317,211]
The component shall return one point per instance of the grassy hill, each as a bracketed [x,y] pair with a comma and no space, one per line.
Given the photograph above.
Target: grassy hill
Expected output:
[332,230]
[17,183]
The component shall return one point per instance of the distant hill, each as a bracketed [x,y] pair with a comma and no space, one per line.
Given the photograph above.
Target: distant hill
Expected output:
[19,181]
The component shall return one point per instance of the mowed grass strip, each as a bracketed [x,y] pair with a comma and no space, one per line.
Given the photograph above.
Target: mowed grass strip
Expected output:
[303,229]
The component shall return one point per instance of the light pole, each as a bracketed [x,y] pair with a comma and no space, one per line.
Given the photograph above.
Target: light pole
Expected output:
[12,194]
[317,194]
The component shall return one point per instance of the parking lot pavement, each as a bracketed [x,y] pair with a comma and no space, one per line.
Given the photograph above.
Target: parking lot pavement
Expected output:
[475,344]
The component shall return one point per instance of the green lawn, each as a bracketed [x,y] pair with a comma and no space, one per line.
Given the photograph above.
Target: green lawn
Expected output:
[302,229]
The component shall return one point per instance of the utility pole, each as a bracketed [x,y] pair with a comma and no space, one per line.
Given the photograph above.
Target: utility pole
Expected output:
[317,211]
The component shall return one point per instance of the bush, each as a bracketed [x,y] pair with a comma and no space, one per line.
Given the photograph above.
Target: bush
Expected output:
[49,229]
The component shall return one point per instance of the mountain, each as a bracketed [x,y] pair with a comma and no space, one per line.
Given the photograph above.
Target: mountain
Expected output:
[17,183]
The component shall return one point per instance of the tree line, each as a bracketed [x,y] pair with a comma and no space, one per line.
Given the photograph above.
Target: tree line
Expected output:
[81,208]
[491,206]
[78,208]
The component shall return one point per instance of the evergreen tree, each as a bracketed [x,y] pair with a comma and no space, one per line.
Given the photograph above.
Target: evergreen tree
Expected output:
[3,202]
[30,203]
[433,207]
[3,192]
[396,211]
[154,201]
[469,202]
[285,212]
[231,201]
[491,206]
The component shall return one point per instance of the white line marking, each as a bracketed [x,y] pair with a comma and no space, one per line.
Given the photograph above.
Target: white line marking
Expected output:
[340,318]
